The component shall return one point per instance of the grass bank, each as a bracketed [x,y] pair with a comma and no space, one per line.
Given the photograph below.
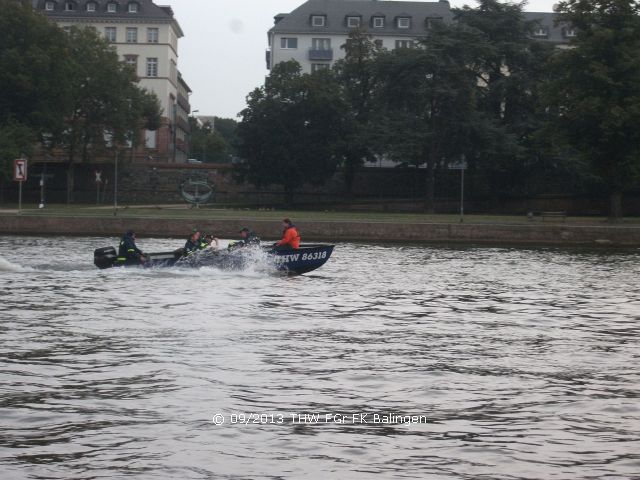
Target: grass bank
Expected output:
[247,214]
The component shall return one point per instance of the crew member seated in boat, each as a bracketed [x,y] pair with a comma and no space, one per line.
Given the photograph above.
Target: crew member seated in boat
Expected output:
[128,252]
[290,236]
[197,241]
[208,241]
[248,238]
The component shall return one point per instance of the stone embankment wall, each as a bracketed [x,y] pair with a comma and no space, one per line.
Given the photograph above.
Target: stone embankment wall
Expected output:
[333,231]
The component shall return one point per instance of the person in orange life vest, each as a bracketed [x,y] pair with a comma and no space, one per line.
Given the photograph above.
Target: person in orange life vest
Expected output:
[290,236]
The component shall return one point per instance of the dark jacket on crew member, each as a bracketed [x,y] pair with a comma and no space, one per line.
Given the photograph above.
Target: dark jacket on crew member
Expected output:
[128,249]
[192,245]
[248,238]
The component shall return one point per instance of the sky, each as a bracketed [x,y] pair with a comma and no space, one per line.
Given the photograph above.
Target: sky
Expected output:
[222,55]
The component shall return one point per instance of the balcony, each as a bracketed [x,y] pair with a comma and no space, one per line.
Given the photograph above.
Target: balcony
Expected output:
[321,54]
[184,103]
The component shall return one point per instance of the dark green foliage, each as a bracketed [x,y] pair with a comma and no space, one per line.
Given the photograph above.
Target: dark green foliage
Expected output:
[208,144]
[510,67]
[528,117]
[428,103]
[290,128]
[595,91]
[355,74]
[68,90]
[33,74]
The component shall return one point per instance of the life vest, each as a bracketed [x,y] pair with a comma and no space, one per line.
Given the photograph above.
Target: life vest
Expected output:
[290,237]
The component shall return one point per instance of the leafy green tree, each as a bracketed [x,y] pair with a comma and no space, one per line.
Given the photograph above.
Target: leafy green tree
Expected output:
[510,67]
[428,103]
[108,109]
[290,128]
[207,144]
[34,68]
[596,91]
[355,73]
[228,128]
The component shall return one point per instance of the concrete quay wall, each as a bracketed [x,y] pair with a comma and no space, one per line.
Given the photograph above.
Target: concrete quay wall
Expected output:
[331,231]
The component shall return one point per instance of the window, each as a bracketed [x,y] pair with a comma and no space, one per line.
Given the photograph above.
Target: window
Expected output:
[316,67]
[150,139]
[133,8]
[69,6]
[288,42]
[570,33]
[132,35]
[378,22]
[404,43]
[132,61]
[49,6]
[540,32]
[152,67]
[318,20]
[321,44]
[353,22]
[91,7]
[404,22]
[153,35]
[111,34]
[112,8]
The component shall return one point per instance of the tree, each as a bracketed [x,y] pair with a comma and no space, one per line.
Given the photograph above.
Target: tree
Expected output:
[207,144]
[355,73]
[290,128]
[510,67]
[428,102]
[107,109]
[34,69]
[596,91]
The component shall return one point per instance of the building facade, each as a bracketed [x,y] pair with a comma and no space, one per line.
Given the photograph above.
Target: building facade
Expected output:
[314,33]
[146,37]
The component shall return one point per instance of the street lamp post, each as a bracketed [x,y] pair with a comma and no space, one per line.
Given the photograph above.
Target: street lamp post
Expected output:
[191,134]
[115,186]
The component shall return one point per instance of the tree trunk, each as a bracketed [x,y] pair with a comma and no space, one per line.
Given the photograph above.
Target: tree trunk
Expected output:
[430,193]
[615,206]
[70,182]
[349,176]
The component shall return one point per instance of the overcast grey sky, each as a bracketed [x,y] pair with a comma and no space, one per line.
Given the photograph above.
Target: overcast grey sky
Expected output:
[222,56]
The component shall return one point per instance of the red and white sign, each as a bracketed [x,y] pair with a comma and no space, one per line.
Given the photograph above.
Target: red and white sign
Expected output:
[20,170]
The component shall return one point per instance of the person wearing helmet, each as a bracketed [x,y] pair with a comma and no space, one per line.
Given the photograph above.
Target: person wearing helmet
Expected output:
[128,252]
[197,241]
[193,243]
[248,238]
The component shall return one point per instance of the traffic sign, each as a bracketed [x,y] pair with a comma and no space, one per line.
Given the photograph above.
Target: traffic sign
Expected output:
[20,170]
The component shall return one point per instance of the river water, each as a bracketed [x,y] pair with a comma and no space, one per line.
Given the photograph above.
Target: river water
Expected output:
[388,362]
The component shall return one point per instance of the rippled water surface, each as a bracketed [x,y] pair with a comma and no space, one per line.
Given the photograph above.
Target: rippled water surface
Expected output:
[519,364]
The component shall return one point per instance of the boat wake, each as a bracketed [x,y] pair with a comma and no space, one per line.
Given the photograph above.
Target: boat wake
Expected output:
[7,266]
[249,259]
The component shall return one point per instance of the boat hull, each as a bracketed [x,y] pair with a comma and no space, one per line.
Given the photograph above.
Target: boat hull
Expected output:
[291,261]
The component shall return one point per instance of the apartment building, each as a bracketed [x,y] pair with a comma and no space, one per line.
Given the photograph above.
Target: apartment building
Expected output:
[313,33]
[146,36]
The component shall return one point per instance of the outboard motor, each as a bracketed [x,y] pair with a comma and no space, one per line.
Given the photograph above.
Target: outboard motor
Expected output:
[105,257]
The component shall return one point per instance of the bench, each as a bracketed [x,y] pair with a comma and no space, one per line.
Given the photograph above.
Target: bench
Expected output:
[554,215]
